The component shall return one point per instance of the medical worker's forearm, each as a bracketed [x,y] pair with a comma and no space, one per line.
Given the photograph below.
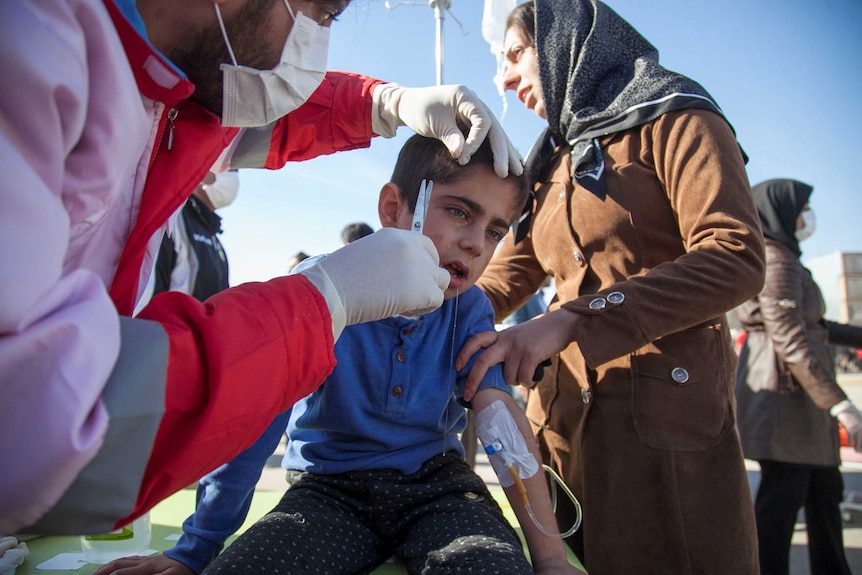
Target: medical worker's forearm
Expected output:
[236,361]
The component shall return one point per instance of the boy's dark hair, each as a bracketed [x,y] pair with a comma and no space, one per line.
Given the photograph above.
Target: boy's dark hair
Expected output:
[424,158]
[355,231]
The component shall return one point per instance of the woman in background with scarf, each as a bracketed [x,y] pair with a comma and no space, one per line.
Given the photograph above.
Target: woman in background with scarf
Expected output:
[787,394]
[643,215]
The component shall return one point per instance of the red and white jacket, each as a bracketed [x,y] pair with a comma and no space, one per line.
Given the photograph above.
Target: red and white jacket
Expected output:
[100,147]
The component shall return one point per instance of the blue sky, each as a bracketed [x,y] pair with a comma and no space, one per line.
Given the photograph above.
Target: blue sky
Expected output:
[787,73]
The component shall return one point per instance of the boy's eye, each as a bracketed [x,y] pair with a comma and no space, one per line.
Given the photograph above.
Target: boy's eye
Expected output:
[458,213]
[496,235]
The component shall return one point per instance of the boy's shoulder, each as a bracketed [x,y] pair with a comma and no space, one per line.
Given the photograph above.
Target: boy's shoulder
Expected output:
[474,294]
[471,303]
[472,310]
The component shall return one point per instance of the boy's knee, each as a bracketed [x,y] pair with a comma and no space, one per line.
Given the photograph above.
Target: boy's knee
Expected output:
[478,554]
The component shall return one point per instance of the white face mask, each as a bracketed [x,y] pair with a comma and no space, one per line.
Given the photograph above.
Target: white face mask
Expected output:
[222,192]
[809,224]
[253,97]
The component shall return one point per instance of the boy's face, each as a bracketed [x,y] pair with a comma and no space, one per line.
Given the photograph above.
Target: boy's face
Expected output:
[466,219]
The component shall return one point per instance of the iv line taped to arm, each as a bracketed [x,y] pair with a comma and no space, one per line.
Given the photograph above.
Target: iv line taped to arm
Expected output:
[504,444]
[512,460]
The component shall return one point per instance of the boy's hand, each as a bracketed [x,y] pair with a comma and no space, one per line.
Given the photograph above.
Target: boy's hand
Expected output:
[389,272]
[153,565]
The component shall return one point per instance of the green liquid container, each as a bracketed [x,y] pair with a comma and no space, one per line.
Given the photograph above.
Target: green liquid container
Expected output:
[132,539]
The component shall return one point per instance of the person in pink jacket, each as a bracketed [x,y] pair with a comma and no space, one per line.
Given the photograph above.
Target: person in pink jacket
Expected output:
[111,112]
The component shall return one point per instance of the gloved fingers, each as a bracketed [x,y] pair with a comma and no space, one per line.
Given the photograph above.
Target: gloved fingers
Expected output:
[507,160]
[442,278]
[516,162]
[432,302]
[483,124]
[480,119]
[454,141]
[357,291]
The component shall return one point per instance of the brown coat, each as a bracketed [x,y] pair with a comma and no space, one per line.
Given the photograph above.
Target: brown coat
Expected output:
[786,380]
[651,450]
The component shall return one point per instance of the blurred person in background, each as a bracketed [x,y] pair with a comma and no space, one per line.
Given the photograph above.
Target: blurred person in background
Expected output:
[296,259]
[352,232]
[787,396]
[192,259]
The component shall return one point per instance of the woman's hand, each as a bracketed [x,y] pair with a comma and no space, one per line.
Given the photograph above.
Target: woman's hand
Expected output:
[521,348]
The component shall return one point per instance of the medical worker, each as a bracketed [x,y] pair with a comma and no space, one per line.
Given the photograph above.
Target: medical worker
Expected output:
[111,112]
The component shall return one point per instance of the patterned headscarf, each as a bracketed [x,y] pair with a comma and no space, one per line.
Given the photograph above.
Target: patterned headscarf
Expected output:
[600,76]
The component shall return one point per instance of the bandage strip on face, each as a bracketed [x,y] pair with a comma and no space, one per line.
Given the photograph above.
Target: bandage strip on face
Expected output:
[503,442]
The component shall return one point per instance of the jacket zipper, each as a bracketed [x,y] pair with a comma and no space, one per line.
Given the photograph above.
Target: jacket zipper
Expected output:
[172,115]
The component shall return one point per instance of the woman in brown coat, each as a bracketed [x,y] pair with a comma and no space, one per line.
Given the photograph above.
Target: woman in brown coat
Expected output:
[643,216]
[786,389]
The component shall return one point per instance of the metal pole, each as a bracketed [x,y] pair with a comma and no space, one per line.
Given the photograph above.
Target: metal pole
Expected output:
[440,7]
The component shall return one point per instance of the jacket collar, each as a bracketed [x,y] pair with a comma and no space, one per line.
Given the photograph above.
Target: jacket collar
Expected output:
[157,78]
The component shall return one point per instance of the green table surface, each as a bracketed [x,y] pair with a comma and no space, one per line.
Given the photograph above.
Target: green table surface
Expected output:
[167,519]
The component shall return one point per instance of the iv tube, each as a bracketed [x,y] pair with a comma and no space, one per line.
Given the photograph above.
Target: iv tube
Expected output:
[522,491]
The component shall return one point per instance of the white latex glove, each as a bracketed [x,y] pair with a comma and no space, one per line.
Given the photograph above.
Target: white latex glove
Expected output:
[12,554]
[434,112]
[389,272]
[849,416]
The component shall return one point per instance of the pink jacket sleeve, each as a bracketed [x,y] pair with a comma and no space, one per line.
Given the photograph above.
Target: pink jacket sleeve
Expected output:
[59,330]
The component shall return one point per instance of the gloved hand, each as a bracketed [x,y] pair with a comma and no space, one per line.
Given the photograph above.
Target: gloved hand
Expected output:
[12,554]
[434,112]
[389,272]
[849,416]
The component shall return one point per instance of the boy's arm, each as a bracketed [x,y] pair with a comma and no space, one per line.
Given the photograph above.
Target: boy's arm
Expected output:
[223,500]
[548,554]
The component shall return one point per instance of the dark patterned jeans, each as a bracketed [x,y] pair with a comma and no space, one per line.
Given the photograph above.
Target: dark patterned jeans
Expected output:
[440,520]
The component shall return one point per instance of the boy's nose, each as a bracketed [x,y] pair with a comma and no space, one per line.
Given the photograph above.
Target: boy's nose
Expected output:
[472,244]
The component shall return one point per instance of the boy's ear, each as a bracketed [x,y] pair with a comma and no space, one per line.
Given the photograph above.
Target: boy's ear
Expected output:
[389,205]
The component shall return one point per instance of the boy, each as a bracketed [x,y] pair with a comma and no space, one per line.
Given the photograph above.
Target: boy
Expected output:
[374,460]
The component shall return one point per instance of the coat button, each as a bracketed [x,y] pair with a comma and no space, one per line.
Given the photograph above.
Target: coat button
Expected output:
[579,259]
[586,395]
[616,297]
[598,303]
[400,357]
[679,375]
[397,391]
[408,331]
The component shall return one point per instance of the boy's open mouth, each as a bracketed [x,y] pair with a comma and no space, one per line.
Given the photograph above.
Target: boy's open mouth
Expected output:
[455,270]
